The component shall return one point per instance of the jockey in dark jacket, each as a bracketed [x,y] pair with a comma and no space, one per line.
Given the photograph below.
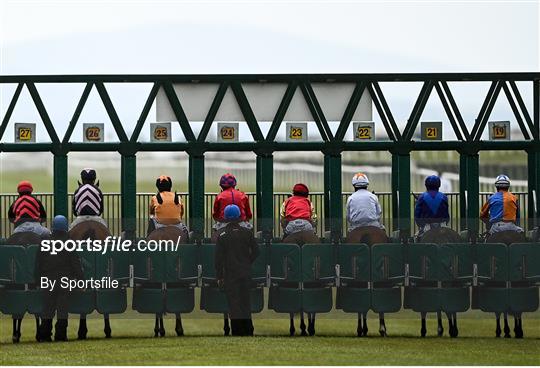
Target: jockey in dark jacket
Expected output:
[88,200]
[27,212]
[431,208]
[236,250]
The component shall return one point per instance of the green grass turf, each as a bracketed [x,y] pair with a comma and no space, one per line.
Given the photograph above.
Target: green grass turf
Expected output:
[335,344]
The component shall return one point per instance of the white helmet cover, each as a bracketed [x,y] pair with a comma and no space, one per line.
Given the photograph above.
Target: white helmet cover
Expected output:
[502,181]
[360,180]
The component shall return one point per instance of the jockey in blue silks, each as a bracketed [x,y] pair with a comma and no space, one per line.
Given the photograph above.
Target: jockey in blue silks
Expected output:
[431,210]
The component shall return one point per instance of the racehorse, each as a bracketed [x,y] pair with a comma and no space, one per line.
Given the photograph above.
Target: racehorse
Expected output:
[507,237]
[301,238]
[92,230]
[172,233]
[440,235]
[23,238]
[368,235]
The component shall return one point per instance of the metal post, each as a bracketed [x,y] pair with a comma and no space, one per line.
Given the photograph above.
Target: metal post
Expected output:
[463,192]
[196,194]
[336,204]
[265,190]
[60,184]
[401,193]
[129,194]
[326,199]
[472,186]
[533,163]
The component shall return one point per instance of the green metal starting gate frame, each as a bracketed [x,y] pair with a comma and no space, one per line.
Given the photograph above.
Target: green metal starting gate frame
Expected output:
[400,143]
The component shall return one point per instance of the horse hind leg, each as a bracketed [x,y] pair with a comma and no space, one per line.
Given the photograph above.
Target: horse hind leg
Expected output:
[423,329]
[292,330]
[382,325]
[365,327]
[498,325]
[359,331]
[161,326]
[506,326]
[16,336]
[226,326]
[107,326]
[156,326]
[302,325]
[518,329]
[452,324]
[440,328]
[83,329]
[38,337]
[178,328]
[311,324]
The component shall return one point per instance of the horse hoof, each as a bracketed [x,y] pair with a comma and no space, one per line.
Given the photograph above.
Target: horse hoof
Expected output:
[81,337]
[383,333]
[454,332]
[179,332]
[16,338]
[518,334]
[423,333]
[108,335]
[507,336]
[161,333]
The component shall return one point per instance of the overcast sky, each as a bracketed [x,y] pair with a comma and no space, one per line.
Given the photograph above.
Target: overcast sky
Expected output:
[85,37]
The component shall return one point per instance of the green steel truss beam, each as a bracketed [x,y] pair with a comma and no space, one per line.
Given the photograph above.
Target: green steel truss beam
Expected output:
[10,109]
[144,113]
[77,112]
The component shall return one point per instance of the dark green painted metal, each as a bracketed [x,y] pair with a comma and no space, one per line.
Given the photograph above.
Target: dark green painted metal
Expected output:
[326,183]
[316,112]
[111,111]
[77,113]
[515,110]
[282,109]
[387,111]
[400,145]
[487,107]
[144,113]
[417,110]
[348,114]
[251,120]
[533,181]
[196,194]
[455,110]
[176,106]
[336,202]
[265,195]
[523,108]
[42,112]
[129,194]
[401,165]
[60,184]
[470,192]
[213,111]
[10,109]
[385,115]
[449,112]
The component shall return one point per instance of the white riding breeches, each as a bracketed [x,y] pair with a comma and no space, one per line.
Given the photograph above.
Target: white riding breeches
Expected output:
[497,227]
[297,226]
[84,218]
[33,227]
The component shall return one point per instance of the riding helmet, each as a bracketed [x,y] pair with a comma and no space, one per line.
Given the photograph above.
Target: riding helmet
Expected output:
[360,180]
[164,183]
[433,182]
[502,181]
[25,187]
[88,174]
[227,181]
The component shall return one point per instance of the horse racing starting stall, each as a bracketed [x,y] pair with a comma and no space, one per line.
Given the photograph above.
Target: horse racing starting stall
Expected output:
[298,112]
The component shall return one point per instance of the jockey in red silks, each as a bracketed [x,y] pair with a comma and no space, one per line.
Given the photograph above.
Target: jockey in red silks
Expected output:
[297,212]
[230,195]
[27,212]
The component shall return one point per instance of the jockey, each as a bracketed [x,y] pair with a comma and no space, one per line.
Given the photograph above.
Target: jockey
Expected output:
[27,212]
[501,211]
[297,212]
[230,195]
[363,208]
[431,210]
[88,200]
[166,208]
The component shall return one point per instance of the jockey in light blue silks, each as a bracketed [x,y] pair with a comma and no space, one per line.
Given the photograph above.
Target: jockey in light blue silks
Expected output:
[87,202]
[431,210]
